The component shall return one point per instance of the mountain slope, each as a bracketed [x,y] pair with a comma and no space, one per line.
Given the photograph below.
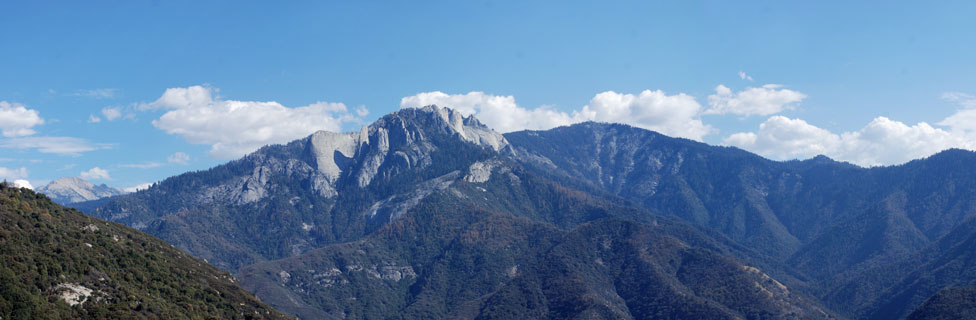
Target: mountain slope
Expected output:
[307,193]
[516,268]
[824,219]
[435,173]
[59,263]
[70,190]
[819,226]
[949,303]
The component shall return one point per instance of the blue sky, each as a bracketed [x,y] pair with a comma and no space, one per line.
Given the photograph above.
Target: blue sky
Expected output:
[871,83]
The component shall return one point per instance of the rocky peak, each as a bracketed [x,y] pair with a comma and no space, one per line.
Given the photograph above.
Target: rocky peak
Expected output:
[73,189]
[403,136]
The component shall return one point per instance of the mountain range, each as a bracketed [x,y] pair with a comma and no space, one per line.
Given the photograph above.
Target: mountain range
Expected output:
[429,214]
[70,190]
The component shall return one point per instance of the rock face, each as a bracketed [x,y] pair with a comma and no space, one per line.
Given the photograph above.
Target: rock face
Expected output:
[69,190]
[352,182]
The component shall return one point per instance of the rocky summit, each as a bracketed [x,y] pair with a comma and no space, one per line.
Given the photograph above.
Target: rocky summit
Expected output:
[69,190]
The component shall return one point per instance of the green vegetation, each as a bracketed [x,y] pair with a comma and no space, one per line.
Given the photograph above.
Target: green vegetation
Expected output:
[48,251]
[449,259]
[870,242]
[948,304]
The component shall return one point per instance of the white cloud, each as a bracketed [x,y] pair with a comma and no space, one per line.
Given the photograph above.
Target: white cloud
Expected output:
[961,122]
[881,142]
[362,111]
[21,183]
[96,173]
[141,186]
[766,100]
[962,99]
[57,145]
[498,112]
[13,174]
[784,138]
[147,165]
[234,128]
[93,119]
[178,158]
[675,115]
[112,113]
[744,76]
[103,93]
[18,121]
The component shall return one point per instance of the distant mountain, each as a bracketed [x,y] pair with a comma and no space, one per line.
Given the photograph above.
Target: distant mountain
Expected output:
[70,190]
[60,264]
[821,228]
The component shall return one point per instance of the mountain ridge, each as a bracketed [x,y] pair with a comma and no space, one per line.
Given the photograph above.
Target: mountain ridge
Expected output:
[68,190]
[331,189]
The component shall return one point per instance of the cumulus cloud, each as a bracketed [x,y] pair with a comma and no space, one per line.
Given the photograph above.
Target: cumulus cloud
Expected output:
[881,142]
[21,183]
[675,115]
[744,76]
[178,158]
[766,100]
[233,128]
[13,174]
[93,119]
[17,121]
[112,113]
[962,122]
[362,111]
[498,112]
[96,173]
[784,138]
[141,186]
[57,145]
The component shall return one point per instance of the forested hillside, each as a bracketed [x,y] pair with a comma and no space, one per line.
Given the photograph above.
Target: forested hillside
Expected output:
[59,264]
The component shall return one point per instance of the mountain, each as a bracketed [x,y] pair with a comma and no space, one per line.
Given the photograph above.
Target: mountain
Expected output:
[404,201]
[838,228]
[70,190]
[283,200]
[373,223]
[60,263]
[483,264]
[948,303]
